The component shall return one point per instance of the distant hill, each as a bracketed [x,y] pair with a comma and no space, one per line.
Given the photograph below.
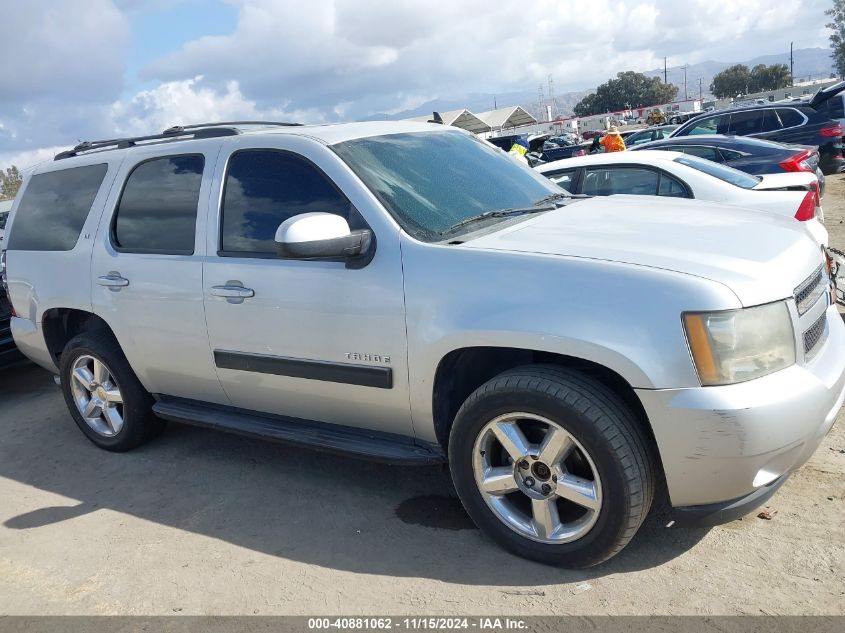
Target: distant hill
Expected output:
[810,63]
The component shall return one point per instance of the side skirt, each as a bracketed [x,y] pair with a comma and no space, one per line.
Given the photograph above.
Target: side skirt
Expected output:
[363,443]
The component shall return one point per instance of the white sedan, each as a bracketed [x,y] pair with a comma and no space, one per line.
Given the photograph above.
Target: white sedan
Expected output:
[673,174]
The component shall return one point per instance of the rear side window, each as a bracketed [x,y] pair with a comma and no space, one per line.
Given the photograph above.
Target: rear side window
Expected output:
[627,180]
[746,122]
[54,207]
[790,117]
[266,187]
[710,153]
[157,212]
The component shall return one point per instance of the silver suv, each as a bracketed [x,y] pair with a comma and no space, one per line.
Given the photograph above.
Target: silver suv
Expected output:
[404,292]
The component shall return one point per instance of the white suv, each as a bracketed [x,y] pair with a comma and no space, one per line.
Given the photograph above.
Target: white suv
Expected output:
[403,292]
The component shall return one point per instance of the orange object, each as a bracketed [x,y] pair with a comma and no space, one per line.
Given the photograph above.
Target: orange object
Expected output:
[613,143]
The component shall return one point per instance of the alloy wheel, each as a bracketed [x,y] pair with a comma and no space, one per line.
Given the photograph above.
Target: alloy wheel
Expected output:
[97,395]
[537,478]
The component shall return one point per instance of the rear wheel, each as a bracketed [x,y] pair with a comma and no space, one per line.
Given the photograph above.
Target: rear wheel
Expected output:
[105,397]
[552,465]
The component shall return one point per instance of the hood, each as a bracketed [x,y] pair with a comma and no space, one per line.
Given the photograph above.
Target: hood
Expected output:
[762,257]
[786,180]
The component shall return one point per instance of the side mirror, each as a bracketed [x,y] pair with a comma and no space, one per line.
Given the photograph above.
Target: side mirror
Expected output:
[321,236]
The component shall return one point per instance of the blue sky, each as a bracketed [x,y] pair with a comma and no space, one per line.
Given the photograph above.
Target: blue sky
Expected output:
[82,69]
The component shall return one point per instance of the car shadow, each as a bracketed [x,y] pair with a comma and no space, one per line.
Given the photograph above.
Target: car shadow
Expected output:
[313,507]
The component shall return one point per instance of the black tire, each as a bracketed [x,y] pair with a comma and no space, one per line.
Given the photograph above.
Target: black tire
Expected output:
[599,420]
[139,423]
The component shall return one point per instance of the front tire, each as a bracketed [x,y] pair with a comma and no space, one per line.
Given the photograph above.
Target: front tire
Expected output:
[104,396]
[552,465]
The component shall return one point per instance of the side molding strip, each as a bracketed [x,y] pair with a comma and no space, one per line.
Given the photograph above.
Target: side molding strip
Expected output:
[364,375]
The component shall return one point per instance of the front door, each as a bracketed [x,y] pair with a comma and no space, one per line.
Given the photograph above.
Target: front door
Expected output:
[313,340]
[147,269]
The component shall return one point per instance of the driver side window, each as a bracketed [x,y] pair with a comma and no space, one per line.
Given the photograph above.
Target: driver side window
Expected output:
[265,187]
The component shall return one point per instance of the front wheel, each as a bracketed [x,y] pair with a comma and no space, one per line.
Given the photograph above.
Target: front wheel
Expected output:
[552,465]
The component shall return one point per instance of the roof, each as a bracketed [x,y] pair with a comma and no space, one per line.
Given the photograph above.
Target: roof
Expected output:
[328,134]
[642,157]
[714,140]
[6,205]
[513,116]
[463,119]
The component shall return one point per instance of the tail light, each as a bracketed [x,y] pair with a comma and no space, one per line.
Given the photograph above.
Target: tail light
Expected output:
[799,161]
[807,209]
[833,130]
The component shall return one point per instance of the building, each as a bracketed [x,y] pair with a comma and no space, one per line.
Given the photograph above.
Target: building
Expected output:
[805,90]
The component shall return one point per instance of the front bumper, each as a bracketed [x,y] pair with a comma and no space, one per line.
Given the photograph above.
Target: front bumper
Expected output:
[721,445]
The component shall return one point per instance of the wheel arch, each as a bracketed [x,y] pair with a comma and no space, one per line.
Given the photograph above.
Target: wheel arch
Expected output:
[60,325]
[463,370]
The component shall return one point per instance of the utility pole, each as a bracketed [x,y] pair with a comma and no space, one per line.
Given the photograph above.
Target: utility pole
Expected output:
[700,90]
[553,105]
[684,67]
[664,71]
[791,66]
[540,104]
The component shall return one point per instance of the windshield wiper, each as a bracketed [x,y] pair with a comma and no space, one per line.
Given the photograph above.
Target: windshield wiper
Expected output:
[499,213]
[552,198]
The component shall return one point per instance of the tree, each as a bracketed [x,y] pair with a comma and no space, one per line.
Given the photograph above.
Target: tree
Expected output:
[731,82]
[837,38]
[10,182]
[769,77]
[629,90]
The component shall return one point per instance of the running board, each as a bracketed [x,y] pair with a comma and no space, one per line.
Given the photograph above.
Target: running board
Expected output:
[363,443]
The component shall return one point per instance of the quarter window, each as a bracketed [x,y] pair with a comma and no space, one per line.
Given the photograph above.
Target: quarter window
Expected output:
[157,212]
[563,178]
[705,126]
[54,207]
[266,187]
[710,153]
[790,117]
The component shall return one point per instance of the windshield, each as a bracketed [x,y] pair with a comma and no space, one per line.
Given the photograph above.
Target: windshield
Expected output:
[722,172]
[431,181]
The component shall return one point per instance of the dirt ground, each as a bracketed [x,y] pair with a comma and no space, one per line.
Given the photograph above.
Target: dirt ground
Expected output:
[200,522]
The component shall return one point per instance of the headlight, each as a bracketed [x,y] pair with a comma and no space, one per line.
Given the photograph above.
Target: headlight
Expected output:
[738,345]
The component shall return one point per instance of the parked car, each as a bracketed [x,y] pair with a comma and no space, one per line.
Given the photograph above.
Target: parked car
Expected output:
[677,175]
[564,146]
[9,354]
[786,123]
[5,207]
[649,134]
[400,291]
[676,118]
[751,155]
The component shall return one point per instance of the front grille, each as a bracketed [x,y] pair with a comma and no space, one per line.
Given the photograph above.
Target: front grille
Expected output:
[810,290]
[814,334]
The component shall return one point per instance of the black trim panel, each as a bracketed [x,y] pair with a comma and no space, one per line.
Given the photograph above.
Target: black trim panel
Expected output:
[726,511]
[363,375]
[358,442]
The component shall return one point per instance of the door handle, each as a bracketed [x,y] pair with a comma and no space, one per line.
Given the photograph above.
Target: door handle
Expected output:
[113,281]
[232,292]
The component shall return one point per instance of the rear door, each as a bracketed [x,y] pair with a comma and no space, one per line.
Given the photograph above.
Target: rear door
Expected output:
[147,268]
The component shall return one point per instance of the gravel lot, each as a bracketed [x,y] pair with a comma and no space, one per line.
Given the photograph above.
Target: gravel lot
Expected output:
[200,522]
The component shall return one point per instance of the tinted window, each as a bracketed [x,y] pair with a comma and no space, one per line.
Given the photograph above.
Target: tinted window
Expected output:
[4,215]
[771,121]
[729,154]
[630,180]
[429,181]
[790,117]
[705,126]
[722,172]
[563,178]
[54,207]
[746,122]
[263,189]
[670,187]
[157,212]
[638,138]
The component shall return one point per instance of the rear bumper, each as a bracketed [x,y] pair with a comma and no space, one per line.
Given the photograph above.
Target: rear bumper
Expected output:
[726,447]
[30,341]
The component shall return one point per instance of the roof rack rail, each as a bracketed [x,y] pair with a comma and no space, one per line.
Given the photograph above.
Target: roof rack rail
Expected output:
[197,131]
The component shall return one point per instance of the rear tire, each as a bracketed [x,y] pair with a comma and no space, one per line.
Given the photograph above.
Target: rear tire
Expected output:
[104,396]
[552,465]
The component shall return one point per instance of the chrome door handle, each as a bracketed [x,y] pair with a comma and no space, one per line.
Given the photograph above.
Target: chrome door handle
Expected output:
[113,281]
[232,292]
